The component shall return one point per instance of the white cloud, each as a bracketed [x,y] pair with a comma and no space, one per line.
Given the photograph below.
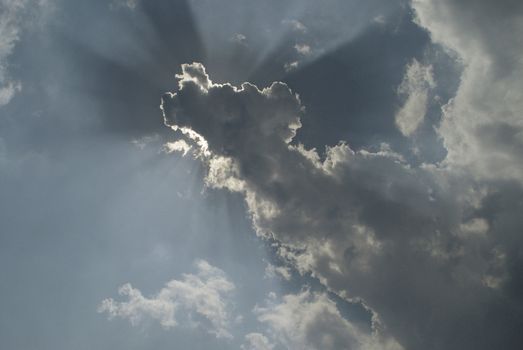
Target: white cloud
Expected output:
[239,38]
[482,125]
[131,4]
[8,91]
[177,146]
[415,87]
[311,321]
[256,341]
[380,19]
[10,12]
[303,49]
[142,142]
[204,294]
[272,271]
[290,66]
[15,17]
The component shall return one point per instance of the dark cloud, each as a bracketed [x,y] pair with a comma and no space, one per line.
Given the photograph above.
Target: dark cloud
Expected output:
[365,223]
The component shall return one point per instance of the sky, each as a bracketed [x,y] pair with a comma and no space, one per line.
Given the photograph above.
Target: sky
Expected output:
[261,174]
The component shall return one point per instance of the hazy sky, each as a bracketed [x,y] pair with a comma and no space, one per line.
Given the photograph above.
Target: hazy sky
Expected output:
[261,174]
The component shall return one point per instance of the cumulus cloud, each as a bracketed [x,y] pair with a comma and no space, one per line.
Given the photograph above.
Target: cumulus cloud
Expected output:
[15,15]
[415,87]
[204,294]
[8,91]
[290,66]
[380,19]
[239,39]
[303,49]
[257,341]
[409,242]
[295,25]
[130,4]
[311,321]
[177,146]
[272,271]
[482,125]
[9,34]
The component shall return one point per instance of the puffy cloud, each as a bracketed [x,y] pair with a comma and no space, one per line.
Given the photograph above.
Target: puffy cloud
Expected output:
[290,66]
[295,25]
[272,271]
[380,19]
[482,126]
[13,20]
[204,294]
[303,49]
[177,146]
[9,35]
[257,341]
[417,82]
[239,39]
[231,118]
[312,321]
[131,4]
[8,91]
[410,242]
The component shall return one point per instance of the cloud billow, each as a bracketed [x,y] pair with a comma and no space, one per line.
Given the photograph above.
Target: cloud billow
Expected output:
[205,294]
[482,125]
[411,243]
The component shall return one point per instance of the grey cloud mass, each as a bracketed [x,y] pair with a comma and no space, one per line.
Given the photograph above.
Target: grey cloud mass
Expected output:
[312,321]
[11,25]
[408,241]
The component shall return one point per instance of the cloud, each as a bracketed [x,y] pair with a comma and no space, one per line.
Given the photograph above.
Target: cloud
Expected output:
[311,321]
[204,294]
[272,271]
[177,146]
[10,12]
[15,17]
[416,84]
[239,39]
[8,91]
[368,225]
[290,66]
[303,49]
[229,116]
[481,126]
[295,25]
[130,4]
[256,341]
[379,19]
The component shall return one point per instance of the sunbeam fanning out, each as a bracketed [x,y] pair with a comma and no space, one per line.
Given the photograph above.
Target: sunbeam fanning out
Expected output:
[261,174]
[292,33]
